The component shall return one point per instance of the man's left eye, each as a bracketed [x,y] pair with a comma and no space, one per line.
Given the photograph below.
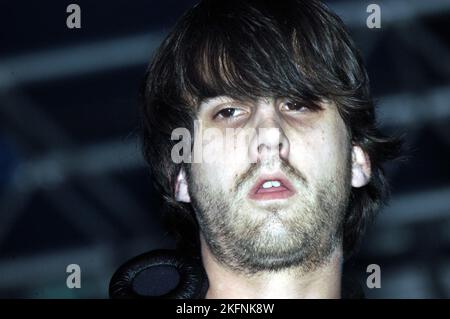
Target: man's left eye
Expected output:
[294,106]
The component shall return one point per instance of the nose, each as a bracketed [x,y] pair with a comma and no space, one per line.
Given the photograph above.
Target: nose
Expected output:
[269,144]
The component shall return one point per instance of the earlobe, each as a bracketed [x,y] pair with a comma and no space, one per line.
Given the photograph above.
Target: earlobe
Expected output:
[361,170]
[181,188]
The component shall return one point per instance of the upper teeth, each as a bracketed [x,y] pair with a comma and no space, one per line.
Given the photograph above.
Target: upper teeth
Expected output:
[270,184]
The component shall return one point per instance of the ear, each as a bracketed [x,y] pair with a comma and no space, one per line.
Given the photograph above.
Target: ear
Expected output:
[361,170]
[181,188]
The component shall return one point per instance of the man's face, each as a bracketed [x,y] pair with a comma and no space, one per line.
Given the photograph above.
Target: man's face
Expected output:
[272,200]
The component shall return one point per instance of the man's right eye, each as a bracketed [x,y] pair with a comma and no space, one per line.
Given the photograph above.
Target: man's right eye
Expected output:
[228,112]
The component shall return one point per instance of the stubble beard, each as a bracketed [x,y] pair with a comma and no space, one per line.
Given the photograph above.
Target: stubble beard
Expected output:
[250,239]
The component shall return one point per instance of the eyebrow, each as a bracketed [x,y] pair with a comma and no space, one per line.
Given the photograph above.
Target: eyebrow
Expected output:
[212,100]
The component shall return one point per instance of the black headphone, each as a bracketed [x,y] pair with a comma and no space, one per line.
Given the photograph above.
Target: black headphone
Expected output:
[160,274]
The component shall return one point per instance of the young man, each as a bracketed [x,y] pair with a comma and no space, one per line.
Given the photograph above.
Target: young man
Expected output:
[275,214]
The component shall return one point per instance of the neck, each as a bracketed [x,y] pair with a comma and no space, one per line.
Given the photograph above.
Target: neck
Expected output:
[321,283]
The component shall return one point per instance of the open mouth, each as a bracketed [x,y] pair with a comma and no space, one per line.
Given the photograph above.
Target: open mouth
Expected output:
[271,187]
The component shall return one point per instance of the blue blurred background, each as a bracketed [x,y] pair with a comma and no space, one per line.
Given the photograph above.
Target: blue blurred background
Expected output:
[75,189]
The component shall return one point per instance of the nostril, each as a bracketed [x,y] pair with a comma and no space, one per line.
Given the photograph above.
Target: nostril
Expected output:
[263,148]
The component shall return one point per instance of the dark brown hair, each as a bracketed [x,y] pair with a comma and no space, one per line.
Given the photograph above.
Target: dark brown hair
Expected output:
[249,49]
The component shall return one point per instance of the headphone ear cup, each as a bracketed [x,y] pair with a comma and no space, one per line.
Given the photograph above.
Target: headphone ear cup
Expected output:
[159,274]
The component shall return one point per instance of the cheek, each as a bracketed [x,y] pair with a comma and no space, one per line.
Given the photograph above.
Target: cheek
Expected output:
[221,146]
[217,177]
[223,158]
[320,153]
[308,157]
[334,152]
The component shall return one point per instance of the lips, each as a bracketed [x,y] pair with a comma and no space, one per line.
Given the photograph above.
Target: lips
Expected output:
[271,187]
